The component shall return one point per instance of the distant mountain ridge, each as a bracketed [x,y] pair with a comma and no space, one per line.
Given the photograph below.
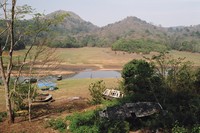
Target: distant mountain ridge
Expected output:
[72,23]
[84,33]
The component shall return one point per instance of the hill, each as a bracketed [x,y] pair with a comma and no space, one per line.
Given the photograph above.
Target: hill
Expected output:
[130,34]
[132,31]
[72,23]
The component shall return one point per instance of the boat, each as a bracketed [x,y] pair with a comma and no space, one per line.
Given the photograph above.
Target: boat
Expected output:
[111,93]
[52,88]
[59,77]
[43,98]
[131,110]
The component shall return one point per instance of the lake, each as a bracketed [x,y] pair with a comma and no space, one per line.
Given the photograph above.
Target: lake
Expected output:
[97,74]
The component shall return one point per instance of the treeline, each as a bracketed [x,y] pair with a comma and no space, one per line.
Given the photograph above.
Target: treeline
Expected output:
[127,45]
[146,46]
[140,45]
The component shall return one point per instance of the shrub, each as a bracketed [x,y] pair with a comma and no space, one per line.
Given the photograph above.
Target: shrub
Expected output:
[90,122]
[119,127]
[57,124]
[178,129]
[96,89]
[2,115]
[84,122]
[196,129]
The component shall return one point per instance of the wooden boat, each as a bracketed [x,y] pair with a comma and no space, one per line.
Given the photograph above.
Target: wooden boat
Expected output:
[43,98]
[131,110]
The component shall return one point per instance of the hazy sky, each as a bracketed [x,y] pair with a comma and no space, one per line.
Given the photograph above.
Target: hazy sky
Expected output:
[102,12]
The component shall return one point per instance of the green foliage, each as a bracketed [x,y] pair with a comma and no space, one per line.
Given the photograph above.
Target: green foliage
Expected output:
[178,129]
[171,82]
[144,46]
[119,127]
[20,95]
[2,115]
[197,81]
[57,124]
[196,129]
[90,122]
[83,122]
[87,129]
[136,75]
[68,42]
[96,90]
[184,44]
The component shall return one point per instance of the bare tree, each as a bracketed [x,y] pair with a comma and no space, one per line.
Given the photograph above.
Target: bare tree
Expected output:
[14,34]
[6,72]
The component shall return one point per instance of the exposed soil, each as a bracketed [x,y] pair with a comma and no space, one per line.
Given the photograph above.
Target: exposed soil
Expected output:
[42,112]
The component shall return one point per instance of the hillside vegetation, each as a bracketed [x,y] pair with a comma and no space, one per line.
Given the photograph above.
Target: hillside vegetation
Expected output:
[128,33]
[76,32]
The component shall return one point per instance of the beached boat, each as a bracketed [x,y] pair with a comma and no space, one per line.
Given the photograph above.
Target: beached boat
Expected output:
[111,93]
[131,110]
[43,98]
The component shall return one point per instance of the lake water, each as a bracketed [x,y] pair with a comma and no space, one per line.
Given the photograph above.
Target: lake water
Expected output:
[51,80]
[97,74]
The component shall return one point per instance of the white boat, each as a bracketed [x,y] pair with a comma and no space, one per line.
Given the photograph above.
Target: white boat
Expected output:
[111,93]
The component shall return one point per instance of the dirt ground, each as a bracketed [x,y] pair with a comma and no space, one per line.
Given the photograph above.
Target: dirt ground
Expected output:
[44,112]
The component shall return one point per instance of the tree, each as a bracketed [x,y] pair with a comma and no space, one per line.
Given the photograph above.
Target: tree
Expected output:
[32,34]
[136,75]
[7,74]
[175,72]
[96,89]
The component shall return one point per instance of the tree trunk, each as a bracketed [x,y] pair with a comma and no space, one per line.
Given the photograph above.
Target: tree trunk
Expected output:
[29,104]
[8,105]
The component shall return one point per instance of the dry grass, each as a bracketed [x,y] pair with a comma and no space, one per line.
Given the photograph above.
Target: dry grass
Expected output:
[79,87]
[193,57]
[2,100]
[70,88]
[104,58]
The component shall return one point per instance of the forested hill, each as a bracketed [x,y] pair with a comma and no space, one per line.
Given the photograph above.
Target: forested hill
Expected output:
[130,34]
[72,24]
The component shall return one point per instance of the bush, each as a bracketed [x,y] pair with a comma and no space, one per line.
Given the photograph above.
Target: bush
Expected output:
[57,124]
[90,122]
[178,129]
[2,115]
[84,122]
[119,127]
[196,129]
[96,89]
